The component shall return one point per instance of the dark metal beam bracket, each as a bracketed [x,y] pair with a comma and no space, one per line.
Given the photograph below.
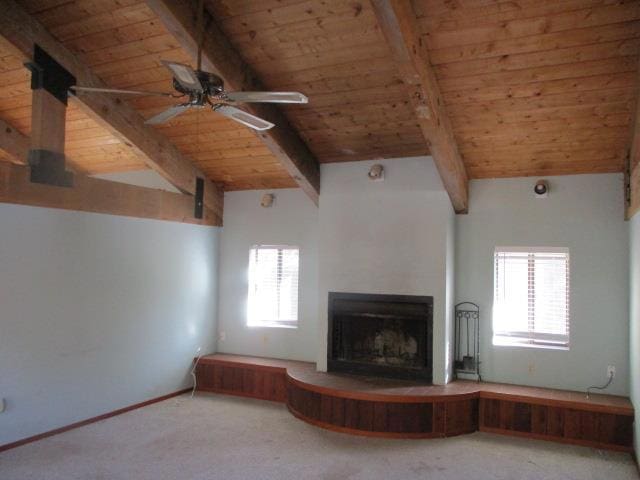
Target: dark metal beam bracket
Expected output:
[48,74]
[199,206]
[48,168]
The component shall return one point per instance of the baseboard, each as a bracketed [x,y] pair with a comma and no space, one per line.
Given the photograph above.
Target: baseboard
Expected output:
[82,423]
[550,438]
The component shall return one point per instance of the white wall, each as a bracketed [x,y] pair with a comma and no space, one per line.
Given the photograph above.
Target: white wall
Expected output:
[584,213]
[293,220]
[98,312]
[634,344]
[386,237]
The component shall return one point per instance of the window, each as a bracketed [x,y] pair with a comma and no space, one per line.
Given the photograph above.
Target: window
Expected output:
[273,286]
[531,297]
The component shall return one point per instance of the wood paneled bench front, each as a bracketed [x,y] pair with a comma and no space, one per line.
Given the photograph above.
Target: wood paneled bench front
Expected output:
[404,409]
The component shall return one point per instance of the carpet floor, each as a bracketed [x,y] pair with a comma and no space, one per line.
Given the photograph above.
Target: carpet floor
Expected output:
[218,437]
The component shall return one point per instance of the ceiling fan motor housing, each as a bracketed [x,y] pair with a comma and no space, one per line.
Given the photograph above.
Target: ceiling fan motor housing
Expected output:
[211,83]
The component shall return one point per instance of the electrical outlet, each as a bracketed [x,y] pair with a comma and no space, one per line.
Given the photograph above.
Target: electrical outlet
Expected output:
[532,369]
[611,371]
[222,336]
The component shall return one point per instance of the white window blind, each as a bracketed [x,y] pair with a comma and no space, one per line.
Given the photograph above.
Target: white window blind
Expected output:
[531,298]
[273,286]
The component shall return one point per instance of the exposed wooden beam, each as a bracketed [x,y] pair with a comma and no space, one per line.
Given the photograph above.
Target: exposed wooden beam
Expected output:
[632,179]
[48,124]
[88,194]
[633,205]
[48,120]
[398,23]
[100,196]
[14,143]
[22,31]
[219,56]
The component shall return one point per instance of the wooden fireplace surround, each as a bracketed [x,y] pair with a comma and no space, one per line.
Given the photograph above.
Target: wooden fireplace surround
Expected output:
[405,409]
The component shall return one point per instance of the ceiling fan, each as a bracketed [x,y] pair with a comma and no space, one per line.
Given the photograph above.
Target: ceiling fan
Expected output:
[205,89]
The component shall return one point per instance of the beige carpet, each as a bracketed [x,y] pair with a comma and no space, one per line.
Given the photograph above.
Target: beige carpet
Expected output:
[218,437]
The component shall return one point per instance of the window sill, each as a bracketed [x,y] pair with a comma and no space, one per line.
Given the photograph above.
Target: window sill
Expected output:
[502,343]
[272,325]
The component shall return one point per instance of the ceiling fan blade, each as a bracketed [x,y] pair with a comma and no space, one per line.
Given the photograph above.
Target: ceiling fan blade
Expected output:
[184,75]
[243,117]
[267,97]
[78,89]
[168,114]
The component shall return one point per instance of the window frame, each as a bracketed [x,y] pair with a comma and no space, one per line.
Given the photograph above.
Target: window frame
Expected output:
[273,323]
[528,338]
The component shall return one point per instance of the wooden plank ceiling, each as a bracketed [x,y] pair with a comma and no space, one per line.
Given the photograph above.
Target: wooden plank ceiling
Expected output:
[123,42]
[334,52]
[532,87]
[90,148]
[536,87]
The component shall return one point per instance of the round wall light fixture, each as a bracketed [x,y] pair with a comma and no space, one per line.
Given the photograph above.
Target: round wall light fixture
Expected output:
[541,189]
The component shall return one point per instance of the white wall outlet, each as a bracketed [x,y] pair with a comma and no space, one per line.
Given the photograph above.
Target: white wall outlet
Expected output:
[2,405]
[611,371]
[222,336]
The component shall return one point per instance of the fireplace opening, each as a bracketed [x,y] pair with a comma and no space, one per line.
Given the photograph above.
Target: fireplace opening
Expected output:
[381,335]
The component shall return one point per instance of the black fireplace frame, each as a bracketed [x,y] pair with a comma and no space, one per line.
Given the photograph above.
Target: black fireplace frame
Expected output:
[344,366]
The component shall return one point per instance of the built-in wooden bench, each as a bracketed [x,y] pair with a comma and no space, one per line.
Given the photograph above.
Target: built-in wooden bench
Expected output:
[405,409]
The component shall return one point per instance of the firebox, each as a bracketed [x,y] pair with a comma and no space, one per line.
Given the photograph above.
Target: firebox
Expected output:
[381,335]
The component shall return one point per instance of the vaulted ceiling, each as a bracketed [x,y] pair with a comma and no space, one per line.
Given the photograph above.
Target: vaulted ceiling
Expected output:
[536,87]
[531,87]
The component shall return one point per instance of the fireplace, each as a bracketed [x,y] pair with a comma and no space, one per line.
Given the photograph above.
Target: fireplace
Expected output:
[381,335]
